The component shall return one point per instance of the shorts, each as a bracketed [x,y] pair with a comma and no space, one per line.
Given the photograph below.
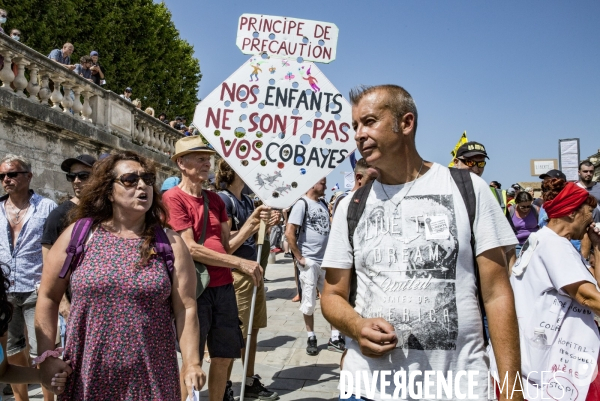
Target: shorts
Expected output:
[312,277]
[219,322]
[244,288]
[22,321]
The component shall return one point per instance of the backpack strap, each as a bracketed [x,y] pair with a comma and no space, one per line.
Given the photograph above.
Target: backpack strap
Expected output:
[463,181]
[76,245]
[234,216]
[164,249]
[355,210]
[302,227]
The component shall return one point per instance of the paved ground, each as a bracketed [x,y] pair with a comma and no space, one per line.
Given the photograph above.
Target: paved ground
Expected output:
[281,359]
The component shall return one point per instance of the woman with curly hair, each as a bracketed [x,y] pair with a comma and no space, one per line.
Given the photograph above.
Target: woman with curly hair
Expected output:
[12,374]
[119,336]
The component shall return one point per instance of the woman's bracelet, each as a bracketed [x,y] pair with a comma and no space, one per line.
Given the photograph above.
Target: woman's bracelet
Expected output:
[50,353]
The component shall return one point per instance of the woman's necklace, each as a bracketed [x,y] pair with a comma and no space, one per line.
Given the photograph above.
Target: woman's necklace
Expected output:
[17,214]
[407,191]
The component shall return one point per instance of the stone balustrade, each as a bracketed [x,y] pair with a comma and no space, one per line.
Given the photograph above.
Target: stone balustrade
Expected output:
[79,98]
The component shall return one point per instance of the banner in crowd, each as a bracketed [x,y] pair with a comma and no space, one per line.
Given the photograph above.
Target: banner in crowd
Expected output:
[280,124]
[348,180]
[285,37]
[463,139]
[568,158]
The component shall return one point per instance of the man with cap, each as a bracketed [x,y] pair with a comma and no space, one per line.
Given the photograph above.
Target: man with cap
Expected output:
[127,94]
[78,171]
[471,156]
[217,305]
[97,73]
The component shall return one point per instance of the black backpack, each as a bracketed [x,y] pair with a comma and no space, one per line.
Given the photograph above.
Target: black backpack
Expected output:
[302,228]
[462,178]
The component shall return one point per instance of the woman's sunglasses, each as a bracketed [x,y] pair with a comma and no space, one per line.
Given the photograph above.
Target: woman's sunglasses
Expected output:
[83,176]
[131,179]
[471,163]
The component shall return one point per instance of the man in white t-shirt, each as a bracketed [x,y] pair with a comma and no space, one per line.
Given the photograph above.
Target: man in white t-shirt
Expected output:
[417,311]
[307,232]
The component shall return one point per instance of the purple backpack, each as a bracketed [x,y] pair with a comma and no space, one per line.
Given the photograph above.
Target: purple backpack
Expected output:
[80,233]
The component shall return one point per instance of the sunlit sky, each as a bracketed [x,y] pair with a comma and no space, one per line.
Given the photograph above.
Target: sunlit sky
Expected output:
[516,75]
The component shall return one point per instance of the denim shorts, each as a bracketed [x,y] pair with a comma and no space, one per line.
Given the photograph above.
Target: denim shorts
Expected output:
[23,317]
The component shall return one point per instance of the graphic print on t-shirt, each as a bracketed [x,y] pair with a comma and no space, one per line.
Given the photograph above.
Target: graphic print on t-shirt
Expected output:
[318,220]
[409,258]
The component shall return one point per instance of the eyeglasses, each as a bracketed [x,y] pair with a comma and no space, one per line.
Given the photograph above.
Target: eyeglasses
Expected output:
[83,176]
[131,179]
[12,174]
[471,163]
[525,207]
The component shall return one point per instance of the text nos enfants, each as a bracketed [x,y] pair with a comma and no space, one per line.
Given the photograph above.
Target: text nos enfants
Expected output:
[274,123]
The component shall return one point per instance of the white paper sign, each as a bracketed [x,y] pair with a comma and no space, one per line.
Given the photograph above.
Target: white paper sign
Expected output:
[280,124]
[542,166]
[285,37]
[569,158]
[348,180]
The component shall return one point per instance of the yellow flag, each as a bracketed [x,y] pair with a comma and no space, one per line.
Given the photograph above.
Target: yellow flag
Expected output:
[463,139]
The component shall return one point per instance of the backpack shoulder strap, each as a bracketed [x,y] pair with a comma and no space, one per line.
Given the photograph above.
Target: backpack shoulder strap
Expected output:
[234,217]
[463,181]
[76,245]
[164,249]
[356,209]
[511,210]
[303,226]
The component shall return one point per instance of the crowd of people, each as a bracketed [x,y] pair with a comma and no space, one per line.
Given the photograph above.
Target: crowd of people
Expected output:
[418,268]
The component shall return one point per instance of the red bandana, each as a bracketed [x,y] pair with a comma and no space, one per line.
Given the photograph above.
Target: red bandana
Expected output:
[567,201]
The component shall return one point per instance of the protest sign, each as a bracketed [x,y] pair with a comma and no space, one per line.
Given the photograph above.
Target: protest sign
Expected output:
[286,37]
[280,124]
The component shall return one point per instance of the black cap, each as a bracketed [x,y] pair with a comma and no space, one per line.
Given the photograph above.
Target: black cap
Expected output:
[471,149]
[553,174]
[128,89]
[83,159]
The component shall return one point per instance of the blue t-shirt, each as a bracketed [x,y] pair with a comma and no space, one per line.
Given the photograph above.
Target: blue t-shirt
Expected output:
[243,210]
[57,55]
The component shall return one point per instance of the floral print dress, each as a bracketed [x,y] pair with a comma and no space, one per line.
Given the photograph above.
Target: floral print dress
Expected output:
[119,336]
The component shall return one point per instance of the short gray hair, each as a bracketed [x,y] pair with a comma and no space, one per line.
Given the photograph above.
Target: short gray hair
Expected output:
[398,102]
[25,163]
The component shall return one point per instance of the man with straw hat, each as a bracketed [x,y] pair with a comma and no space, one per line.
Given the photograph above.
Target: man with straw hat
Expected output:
[217,307]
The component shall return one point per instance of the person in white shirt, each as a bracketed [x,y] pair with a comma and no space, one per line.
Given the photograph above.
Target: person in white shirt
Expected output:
[557,294]
[416,295]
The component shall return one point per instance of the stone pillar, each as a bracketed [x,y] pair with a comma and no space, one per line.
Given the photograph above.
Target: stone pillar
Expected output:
[44,92]
[67,102]
[33,88]
[20,82]
[86,110]
[56,96]
[77,106]
[6,74]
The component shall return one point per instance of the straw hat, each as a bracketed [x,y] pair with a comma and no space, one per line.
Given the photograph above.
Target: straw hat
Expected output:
[190,144]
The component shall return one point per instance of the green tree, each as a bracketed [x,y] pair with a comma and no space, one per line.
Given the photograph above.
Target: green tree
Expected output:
[138,44]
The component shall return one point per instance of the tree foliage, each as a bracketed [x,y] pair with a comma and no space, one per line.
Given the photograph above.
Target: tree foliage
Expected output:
[138,44]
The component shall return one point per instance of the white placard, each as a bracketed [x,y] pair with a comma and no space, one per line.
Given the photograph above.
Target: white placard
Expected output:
[569,158]
[543,166]
[285,37]
[280,124]
[348,180]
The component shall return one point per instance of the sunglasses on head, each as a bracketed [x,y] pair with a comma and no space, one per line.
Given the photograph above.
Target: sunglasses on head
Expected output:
[12,174]
[471,163]
[131,179]
[83,176]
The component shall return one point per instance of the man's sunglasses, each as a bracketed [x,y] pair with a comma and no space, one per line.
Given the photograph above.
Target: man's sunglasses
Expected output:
[12,174]
[83,176]
[131,179]
[471,163]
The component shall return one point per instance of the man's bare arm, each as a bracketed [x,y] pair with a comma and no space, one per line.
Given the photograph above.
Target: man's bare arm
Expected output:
[290,234]
[499,303]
